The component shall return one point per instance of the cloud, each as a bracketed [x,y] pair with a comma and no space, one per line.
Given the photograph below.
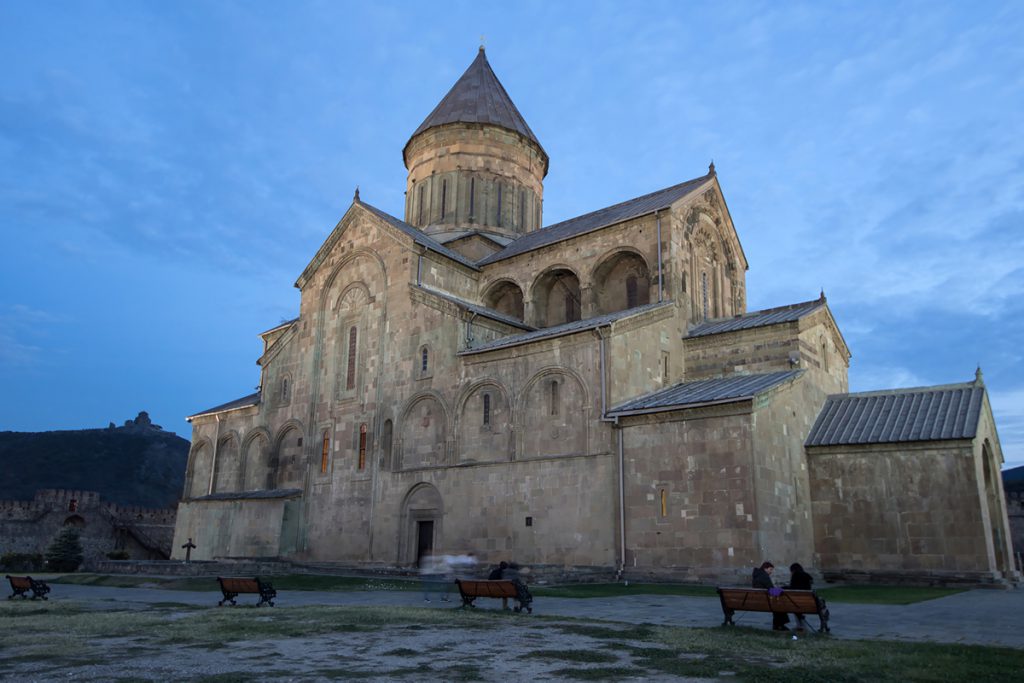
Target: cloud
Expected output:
[21,330]
[1008,408]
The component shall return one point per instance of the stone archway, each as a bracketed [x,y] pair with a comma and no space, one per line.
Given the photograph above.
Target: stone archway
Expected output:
[422,524]
[505,297]
[557,298]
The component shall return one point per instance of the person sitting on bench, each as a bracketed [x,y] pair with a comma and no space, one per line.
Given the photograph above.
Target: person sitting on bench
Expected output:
[762,578]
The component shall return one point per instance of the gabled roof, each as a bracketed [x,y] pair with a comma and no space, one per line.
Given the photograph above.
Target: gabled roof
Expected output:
[563,329]
[478,309]
[275,328]
[478,97]
[595,220]
[899,415]
[244,402]
[768,316]
[704,392]
[418,236]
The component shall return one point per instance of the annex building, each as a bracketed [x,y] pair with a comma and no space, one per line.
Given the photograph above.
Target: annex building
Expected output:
[589,396]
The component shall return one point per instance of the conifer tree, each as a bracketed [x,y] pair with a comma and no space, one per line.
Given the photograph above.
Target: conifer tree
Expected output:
[65,553]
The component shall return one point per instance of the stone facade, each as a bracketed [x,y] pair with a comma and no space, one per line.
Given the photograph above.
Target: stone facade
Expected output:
[30,526]
[450,383]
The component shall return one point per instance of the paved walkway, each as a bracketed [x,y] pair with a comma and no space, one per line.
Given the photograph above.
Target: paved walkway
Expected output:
[981,617]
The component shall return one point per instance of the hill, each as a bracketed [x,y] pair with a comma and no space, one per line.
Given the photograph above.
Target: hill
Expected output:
[137,464]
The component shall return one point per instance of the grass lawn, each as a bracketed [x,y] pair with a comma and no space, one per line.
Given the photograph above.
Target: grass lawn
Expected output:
[68,640]
[878,595]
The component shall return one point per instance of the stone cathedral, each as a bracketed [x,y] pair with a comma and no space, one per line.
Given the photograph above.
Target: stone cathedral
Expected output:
[591,396]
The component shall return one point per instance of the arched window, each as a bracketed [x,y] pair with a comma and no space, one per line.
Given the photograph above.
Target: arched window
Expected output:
[522,210]
[664,503]
[631,297]
[554,397]
[350,376]
[420,213]
[444,198]
[362,446]
[472,196]
[498,223]
[487,410]
[325,453]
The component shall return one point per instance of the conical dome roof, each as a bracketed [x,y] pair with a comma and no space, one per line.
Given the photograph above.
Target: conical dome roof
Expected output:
[478,97]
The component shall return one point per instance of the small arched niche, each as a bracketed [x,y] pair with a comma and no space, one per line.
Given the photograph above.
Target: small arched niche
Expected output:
[505,297]
[556,298]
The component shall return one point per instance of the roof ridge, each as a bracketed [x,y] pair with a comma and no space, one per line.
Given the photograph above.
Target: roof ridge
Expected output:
[762,311]
[906,390]
[417,235]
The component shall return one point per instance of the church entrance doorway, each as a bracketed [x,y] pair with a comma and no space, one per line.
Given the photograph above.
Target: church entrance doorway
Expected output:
[424,540]
[421,527]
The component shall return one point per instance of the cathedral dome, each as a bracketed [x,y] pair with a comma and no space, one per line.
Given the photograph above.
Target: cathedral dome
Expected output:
[474,164]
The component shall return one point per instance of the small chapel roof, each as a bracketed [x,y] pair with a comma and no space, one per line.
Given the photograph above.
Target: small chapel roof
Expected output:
[767,316]
[937,413]
[595,220]
[563,329]
[705,392]
[478,97]
[244,402]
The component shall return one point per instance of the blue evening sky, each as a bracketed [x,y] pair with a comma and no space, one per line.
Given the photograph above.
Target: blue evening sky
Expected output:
[167,169]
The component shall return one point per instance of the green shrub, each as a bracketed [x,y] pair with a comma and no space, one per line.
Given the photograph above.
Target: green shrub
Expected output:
[118,555]
[65,553]
[21,562]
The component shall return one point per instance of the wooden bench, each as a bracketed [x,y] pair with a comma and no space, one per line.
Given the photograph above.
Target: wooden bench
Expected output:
[232,587]
[23,584]
[758,600]
[471,589]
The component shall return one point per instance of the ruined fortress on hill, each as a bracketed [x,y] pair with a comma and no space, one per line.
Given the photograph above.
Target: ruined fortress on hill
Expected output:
[592,396]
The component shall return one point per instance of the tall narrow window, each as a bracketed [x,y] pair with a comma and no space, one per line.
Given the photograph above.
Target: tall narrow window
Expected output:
[282,397]
[487,410]
[554,397]
[665,368]
[362,446]
[325,453]
[704,293]
[572,308]
[499,205]
[420,213]
[631,298]
[350,377]
[472,195]
[424,360]
[664,503]
[824,355]
[522,209]
[444,198]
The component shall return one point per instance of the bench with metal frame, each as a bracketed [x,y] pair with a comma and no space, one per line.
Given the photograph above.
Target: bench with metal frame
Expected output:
[760,600]
[21,585]
[471,589]
[234,586]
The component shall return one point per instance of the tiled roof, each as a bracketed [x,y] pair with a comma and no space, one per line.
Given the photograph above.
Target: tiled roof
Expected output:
[769,316]
[705,391]
[478,97]
[563,329]
[418,235]
[899,415]
[480,310]
[595,220]
[251,495]
[244,402]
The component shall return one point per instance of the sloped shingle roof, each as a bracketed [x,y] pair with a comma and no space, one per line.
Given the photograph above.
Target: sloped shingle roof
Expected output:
[478,97]
[595,220]
[563,329]
[768,316]
[705,391]
[899,415]
[244,402]
[421,238]
[480,310]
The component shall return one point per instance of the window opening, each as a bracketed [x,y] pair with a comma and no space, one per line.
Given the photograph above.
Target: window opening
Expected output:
[424,360]
[350,381]
[325,452]
[487,410]
[420,215]
[522,209]
[444,197]
[554,397]
[472,195]
[362,446]
[664,503]
[499,205]
[631,298]
[72,505]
